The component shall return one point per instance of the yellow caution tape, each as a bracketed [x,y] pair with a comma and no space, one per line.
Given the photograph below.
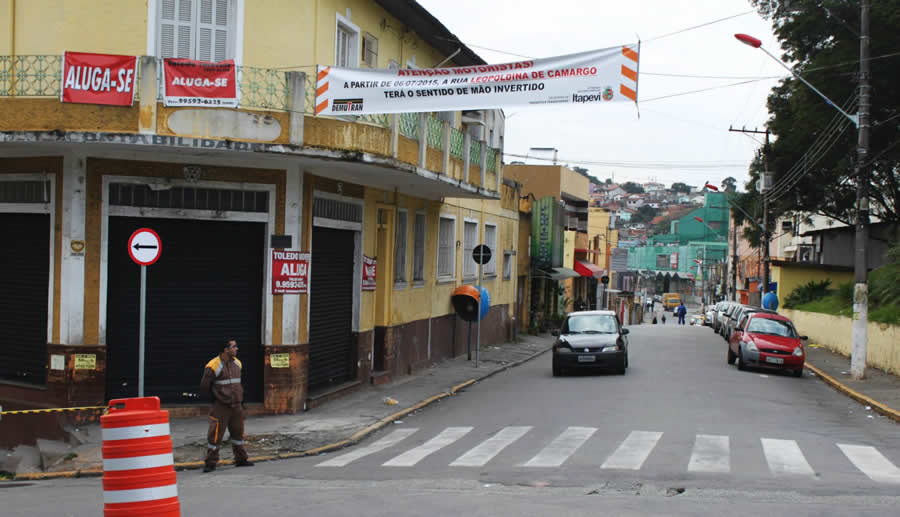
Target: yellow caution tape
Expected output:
[50,410]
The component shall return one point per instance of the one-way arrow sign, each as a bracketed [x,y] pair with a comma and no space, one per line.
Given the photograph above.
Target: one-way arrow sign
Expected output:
[144,246]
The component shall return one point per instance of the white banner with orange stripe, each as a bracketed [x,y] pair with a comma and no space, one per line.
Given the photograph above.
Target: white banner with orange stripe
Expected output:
[594,77]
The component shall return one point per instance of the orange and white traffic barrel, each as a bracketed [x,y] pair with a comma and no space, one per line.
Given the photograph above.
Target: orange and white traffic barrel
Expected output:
[138,465]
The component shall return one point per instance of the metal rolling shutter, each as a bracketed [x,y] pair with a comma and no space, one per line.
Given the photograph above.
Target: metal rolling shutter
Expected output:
[24,275]
[331,354]
[206,287]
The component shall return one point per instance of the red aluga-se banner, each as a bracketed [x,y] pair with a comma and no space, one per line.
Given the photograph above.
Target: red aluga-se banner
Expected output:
[98,79]
[200,83]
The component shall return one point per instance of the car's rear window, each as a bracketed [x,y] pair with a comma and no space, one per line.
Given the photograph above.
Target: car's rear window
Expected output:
[772,327]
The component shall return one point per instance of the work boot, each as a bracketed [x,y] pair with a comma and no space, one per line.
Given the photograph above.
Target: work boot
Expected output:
[208,468]
[245,463]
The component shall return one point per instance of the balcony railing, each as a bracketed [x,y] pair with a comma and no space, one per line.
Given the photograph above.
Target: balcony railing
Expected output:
[261,89]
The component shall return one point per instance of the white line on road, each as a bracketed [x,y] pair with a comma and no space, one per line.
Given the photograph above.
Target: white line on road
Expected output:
[785,457]
[413,456]
[559,450]
[633,451]
[489,448]
[711,454]
[382,444]
[872,463]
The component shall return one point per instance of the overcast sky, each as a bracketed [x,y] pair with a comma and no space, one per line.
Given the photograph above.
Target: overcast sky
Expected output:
[687,134]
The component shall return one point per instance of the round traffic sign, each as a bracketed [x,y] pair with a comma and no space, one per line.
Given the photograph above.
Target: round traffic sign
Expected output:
[144,246]
[481,254]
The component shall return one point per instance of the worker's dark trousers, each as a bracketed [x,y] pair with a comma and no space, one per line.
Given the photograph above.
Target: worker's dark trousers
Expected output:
[223,417]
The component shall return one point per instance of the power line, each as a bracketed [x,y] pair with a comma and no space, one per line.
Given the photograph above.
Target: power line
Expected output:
[699,26]
[698,91]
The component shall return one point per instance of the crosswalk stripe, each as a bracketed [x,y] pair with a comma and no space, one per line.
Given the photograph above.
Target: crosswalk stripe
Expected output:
[871,462]
[559,450]
[388,441]
[413,456]
[785,457]
[489,448]
[711,454]
[632,453]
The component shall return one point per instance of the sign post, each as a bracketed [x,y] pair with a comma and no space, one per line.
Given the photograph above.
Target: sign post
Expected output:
[482,255]
[144,248]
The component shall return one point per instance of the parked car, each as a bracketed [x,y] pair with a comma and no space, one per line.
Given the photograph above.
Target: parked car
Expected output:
[767,340]
[590,340]
[708,317]
[717,315]
[726,317]
[738,315]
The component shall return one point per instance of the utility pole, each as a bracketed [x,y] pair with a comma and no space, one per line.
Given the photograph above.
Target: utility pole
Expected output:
[860,269]
[764,187]
[734,264]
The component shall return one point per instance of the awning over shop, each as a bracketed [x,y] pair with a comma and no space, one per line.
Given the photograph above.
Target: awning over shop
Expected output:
[588,269]
[562,273]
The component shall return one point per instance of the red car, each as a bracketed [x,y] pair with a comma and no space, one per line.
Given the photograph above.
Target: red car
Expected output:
[765,340]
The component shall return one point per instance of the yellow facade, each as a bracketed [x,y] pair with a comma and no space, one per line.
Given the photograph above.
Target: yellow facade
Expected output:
[791,278]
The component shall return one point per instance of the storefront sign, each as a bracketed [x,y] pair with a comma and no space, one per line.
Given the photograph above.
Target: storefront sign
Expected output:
[198,83]
[280,360]
[368,273]
[586,78]
[98,79]
[57,362]
[542,233]
[290,272]
[85,361]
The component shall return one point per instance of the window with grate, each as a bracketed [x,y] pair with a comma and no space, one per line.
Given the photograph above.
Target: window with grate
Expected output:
[446,247]
[419,249]
[400,257]
[507,265]
[24,191]
[337,210]
[188,198]
[197,29]
[490,238]
[370,50]
[470,240]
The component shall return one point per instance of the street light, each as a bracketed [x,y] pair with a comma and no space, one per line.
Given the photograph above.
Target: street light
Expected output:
[756,43]
[861,121]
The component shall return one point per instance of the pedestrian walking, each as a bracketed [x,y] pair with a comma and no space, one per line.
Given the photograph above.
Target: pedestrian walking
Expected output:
[664,318]
[681,311]
[222,379]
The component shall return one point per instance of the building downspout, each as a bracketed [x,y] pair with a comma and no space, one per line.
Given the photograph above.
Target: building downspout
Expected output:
[12,47]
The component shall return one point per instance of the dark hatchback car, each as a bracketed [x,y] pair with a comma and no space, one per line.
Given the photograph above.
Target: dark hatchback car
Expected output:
[590,340]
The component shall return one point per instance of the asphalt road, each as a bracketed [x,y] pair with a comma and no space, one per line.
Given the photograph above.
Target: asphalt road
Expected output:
[682,433]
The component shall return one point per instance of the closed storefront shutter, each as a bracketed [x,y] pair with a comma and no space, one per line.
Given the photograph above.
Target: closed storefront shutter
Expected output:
[24,277]
[331,356]
[206,287]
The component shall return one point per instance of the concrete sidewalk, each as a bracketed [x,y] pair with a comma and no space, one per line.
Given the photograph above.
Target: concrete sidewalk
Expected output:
[336,424]
[879,390]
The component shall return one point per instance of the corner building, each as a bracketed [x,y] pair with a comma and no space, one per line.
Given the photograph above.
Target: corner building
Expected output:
[224,187]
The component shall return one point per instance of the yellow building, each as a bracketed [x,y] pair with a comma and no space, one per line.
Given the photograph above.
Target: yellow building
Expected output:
[577,274]
[228,188]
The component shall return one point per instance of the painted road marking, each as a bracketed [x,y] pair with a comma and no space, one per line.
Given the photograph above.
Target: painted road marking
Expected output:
[413,456]
[489,448]
[632,453]
[559,450]
[872,463]
[382,444]
[785,458]
[711,454]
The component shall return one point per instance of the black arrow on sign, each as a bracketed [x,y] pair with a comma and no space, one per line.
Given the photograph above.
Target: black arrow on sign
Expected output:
[145,246]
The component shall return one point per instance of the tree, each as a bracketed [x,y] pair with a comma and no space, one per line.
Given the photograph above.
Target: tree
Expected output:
[729,184]
[813,153]
[632,188]
[681,187]
[644,214]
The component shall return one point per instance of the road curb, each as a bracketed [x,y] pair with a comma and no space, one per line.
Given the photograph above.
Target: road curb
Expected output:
[893,414]
[353,440]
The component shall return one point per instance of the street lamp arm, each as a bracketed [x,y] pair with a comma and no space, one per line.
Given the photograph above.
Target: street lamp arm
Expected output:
[749,217]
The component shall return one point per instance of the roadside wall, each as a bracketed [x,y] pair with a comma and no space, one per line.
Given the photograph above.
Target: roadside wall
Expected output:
[834,333]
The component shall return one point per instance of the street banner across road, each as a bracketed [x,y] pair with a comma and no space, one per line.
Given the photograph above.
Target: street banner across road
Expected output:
[199,83]
[98,79]
[593,77]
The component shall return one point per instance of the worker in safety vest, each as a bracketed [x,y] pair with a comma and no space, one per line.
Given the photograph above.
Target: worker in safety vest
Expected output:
[222,379]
